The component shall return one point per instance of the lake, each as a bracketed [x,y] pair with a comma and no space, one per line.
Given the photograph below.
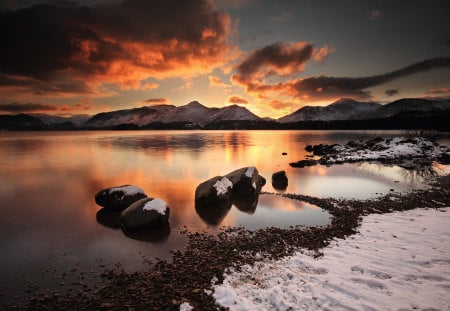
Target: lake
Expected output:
[48,180]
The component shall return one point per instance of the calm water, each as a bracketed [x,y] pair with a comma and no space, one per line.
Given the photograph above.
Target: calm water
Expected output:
[48,181]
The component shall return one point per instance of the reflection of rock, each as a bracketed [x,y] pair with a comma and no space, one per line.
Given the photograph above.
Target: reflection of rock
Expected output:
[156,234]
[108,218]
[246,204]
[214,197]
[145,213]
[213,214]
[280,180]
[214,191]
[119,198]
[246,181]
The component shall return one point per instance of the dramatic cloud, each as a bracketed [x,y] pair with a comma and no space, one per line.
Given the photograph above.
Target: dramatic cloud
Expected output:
[323,87]
[276,59]
[391,92]
[237,100]
[29,107]
[156,101]
[279,105]
[118,42]
[279,59]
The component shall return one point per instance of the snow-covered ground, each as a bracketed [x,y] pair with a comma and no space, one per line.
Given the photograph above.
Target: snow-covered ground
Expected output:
[398,261]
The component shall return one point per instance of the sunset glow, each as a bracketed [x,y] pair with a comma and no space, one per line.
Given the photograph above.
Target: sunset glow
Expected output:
[86,56]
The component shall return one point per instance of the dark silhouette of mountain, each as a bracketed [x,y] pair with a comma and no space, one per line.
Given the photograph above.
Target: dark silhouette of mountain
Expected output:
[21,122]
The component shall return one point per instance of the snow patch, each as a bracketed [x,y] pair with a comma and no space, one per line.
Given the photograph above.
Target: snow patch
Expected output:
[185,306]
[250,171]
[157,205]
[397,261]
[222,186]
[127,190]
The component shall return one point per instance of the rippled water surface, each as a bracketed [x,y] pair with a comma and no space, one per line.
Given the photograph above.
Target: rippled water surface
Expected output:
[49,179]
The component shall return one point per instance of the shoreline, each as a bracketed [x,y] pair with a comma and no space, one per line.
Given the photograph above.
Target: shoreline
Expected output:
[166,285]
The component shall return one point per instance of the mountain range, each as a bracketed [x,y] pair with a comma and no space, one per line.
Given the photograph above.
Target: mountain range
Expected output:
[195,115]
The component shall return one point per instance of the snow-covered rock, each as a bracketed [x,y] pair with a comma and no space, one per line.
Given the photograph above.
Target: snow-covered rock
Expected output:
[397,150]
[148,212]
[214,197]
[246,181]
[119,198]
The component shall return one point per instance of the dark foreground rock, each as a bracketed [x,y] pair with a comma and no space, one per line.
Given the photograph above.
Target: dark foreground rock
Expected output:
[167,284]
[145,213]
[119,198]
[279,180]
[214,197]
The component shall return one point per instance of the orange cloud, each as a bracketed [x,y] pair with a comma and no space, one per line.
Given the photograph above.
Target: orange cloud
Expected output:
[237,100]
[441,91]
[119,43]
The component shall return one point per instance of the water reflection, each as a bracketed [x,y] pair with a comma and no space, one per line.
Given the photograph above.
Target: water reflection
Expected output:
[108,218]
[49,179]
[157,234]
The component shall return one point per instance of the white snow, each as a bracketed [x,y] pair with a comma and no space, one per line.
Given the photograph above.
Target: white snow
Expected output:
[157,205]
[397,261]
[185,306]
[397,147]
[250,171]
[127,190]
[222,185]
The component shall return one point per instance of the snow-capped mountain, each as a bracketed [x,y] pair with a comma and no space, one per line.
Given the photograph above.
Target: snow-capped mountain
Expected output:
[407,105]
[194,112]
[343,109]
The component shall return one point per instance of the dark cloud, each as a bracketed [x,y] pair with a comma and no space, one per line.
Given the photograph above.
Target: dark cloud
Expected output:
[443,38]
[391,92]
[237,100]
[327,87]
[375,14]
[156,101]
[278,58]
[119,42]
[29,107]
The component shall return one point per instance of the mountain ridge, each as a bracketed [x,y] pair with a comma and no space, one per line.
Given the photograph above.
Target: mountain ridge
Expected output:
[196,115]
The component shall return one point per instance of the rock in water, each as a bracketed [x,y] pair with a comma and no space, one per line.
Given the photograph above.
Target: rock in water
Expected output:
[279,180]
[145,213]
[119,198]
[216,191]
[246,181]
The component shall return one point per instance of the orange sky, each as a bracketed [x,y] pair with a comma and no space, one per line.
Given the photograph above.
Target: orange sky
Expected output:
[104,55]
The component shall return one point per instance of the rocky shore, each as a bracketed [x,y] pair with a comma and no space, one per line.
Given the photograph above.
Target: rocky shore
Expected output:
[187,279]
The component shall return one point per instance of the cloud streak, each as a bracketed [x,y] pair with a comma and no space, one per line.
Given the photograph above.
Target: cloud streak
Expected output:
[161,100]
[237,100]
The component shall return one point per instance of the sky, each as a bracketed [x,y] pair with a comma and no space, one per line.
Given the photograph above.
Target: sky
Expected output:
[273,57]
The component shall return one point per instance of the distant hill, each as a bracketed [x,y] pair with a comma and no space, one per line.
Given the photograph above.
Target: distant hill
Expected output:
[342,114]
[343,109]
[192,113]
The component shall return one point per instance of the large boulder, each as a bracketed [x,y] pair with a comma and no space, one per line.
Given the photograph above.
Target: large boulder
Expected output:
[119,198]
[145,213]
[216,191]
[279,180]
[246,181]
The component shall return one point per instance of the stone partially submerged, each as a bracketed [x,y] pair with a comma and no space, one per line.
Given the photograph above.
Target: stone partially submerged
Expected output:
[279,180]
[214,197]
[145,213]
[119,198]
[216,191]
